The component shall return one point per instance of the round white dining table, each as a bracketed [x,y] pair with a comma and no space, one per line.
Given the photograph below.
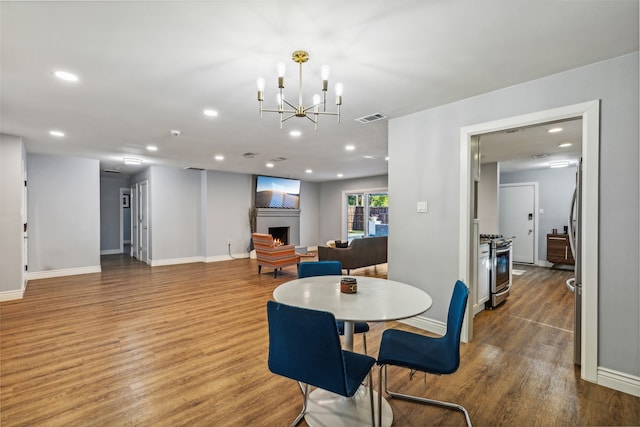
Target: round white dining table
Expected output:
[377,300]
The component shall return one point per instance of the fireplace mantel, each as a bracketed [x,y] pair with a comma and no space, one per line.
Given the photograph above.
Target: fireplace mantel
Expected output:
[274,217]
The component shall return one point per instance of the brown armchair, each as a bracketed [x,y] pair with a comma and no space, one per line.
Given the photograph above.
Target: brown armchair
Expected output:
[269,255]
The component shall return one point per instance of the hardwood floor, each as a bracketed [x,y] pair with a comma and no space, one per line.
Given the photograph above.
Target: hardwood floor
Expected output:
[188,344]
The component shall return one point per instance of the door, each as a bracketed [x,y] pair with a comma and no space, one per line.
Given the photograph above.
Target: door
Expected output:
[143,221]
[517,219]
[135,252]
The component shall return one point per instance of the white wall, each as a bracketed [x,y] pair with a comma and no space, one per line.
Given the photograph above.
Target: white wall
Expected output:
[555,189]
[11,217]
[424,165]
[64,215]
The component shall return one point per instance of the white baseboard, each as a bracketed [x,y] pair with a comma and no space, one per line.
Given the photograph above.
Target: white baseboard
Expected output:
[110,252]
[426,324]
[47,274]
[175,261]
[619,381]
[11,295]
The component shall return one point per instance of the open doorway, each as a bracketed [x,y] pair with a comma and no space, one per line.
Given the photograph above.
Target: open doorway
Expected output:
[589,113]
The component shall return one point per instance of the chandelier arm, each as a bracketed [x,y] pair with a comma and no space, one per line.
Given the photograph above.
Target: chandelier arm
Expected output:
[287,118]
[271,110]
[289,104]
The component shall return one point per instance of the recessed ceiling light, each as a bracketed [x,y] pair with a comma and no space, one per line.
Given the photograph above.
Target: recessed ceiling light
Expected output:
[210,113]
[219,157]
[269,165]
[131,161]
[295,133]
[339,175]
[56,133]
[368,157]
[152,148]
[559,164]
[554,130]
[66,76]
[350,147]
[565,145]
[387,158]
[309,171]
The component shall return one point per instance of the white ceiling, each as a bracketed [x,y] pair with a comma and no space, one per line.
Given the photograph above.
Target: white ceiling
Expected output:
[147,68]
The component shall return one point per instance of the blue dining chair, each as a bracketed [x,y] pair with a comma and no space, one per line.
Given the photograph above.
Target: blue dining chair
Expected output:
[332,268]
[304,345]
[425,354]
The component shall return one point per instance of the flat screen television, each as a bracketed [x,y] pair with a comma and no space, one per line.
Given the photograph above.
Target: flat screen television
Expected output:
[280,193]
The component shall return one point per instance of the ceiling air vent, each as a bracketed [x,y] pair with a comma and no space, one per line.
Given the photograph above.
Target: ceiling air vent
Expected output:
[371,118]
[278,159]
[194,169]
[249,155]
[112,171]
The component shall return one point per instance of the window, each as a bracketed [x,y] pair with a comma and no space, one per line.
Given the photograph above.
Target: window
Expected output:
[367,214]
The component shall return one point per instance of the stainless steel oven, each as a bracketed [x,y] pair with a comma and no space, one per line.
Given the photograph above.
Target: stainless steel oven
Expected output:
[501,262]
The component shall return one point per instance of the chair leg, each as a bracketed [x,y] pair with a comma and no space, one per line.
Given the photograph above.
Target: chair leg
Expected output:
[275,272]
[373,409]
[414,398]
[259,269]
[305,393]
[364,342]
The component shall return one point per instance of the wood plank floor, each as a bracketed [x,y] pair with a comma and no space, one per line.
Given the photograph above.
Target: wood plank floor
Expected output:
[187,345]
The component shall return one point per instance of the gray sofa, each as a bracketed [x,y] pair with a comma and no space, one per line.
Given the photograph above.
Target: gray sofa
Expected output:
[362,252]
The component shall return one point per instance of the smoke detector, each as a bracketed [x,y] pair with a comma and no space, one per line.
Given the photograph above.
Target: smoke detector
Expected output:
[176,132]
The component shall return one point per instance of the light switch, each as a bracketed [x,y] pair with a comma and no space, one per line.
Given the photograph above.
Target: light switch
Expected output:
[422,207]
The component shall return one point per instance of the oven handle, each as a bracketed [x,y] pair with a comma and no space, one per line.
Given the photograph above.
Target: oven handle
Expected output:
[499,294]
[503,249]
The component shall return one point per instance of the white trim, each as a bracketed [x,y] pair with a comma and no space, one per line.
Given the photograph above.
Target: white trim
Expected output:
[110,251]
[11,295]
[47,274]
[426,324]
[619,381]
[174,261]
[590,113]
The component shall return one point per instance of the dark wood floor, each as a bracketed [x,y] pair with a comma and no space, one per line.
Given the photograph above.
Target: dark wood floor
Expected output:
[187,345]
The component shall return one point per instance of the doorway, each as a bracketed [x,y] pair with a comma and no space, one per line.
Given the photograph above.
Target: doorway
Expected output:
[589,113]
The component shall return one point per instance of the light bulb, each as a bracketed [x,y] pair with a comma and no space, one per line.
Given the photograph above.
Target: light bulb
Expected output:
[260,83]
[316,99]
[339,89]
[280,67]
[324,72]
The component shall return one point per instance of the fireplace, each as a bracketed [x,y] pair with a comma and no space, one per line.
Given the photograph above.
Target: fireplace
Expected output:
[269,219]
[280,234]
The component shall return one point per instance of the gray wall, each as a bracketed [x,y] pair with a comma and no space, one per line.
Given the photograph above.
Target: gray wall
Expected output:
[488,199]
[12,157]
[110,211]
[424,151]
[175,213]
[555,189]
[63,212]
[331,203]
[227,212]
[310,213]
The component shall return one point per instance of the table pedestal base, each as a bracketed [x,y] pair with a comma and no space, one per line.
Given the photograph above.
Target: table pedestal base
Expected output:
[329,409]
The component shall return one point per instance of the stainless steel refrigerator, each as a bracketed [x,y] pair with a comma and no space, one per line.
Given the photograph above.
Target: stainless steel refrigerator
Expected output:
[575,283]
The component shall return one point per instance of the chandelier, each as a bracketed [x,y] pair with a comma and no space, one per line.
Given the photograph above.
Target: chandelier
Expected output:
[286,110]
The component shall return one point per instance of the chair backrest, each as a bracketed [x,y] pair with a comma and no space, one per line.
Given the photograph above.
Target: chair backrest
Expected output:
[319,268]
[455,317]
[261,240]
[304,345]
